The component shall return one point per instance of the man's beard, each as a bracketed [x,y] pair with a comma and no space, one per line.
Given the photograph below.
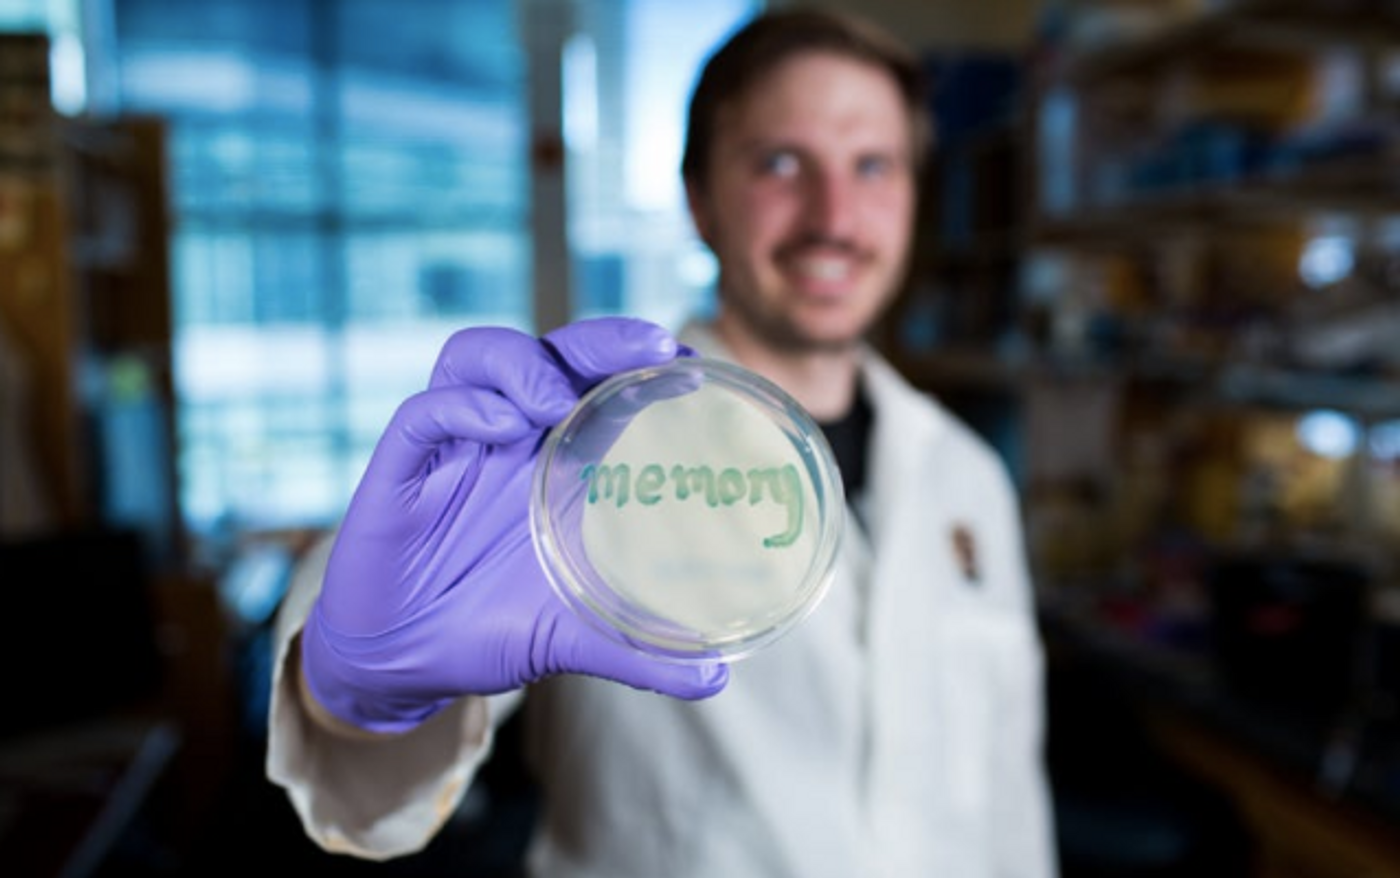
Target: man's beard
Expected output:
[780,332]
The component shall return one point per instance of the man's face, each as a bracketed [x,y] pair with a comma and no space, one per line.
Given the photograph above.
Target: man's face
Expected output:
[810,202]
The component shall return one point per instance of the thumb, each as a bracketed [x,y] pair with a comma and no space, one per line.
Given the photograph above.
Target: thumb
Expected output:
[584,651]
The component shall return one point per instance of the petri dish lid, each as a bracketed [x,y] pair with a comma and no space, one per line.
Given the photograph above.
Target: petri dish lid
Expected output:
[691,510]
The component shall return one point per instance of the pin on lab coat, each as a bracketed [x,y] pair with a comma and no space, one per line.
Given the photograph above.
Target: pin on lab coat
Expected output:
[896,732]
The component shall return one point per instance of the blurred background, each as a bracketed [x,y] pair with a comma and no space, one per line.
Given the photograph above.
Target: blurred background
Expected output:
[1158,267]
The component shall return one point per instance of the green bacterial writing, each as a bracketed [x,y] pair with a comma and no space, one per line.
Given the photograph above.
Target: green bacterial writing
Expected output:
[778,484]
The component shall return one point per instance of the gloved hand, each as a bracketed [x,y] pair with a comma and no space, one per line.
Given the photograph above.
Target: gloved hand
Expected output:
[433,589]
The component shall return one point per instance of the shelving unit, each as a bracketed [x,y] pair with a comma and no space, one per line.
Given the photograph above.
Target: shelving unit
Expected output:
[1203,159]
[1205,162]
[1169,186]
[1205,259]
[85,308]
[127,724]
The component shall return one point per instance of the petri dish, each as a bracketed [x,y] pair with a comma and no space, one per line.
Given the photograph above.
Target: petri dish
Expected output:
[691,510]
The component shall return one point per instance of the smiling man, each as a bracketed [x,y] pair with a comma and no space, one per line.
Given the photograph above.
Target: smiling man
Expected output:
[896,732]
[805,192]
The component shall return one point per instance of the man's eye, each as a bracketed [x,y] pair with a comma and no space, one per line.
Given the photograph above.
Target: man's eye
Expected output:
[780,164]
[875,166]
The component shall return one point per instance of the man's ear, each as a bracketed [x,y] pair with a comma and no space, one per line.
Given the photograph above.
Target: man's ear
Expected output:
[700,215]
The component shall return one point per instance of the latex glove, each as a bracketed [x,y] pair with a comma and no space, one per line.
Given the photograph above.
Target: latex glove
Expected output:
[433,589]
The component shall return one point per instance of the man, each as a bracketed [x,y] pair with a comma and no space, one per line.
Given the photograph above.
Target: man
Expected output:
[895,732]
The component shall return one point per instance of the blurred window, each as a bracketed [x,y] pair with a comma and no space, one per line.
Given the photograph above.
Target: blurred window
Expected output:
[350,186]
[348,189]
[628,74]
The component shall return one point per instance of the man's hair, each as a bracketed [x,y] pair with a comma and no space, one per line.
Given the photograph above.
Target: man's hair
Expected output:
[770,39]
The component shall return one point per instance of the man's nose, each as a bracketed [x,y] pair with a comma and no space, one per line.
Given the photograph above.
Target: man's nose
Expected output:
[831,204]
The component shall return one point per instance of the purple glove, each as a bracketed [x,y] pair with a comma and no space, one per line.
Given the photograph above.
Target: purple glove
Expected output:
[433,589]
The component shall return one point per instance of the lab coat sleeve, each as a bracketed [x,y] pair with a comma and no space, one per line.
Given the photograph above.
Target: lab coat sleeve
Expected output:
[374,799]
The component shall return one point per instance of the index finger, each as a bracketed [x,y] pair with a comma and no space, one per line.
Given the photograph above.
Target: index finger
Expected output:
[591,350]
[515,365]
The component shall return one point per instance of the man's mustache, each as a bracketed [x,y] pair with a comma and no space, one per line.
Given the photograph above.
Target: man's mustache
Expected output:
[844,246]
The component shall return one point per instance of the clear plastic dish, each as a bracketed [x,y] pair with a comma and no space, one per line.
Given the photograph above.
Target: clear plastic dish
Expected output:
[691,510]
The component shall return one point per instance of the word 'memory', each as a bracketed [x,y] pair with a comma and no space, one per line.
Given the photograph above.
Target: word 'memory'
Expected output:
[725,487]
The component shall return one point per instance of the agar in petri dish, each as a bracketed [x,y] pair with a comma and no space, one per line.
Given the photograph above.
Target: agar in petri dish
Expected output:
[691,510]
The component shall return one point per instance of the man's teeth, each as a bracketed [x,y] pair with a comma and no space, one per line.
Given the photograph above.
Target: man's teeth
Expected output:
[824,269]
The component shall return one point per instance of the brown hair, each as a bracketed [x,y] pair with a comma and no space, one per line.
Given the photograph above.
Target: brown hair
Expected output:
[768,40]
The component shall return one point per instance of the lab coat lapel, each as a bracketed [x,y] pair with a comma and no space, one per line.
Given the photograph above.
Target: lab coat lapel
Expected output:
[905,429]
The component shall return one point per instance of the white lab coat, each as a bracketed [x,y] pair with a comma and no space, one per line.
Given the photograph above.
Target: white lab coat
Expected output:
[896,732]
